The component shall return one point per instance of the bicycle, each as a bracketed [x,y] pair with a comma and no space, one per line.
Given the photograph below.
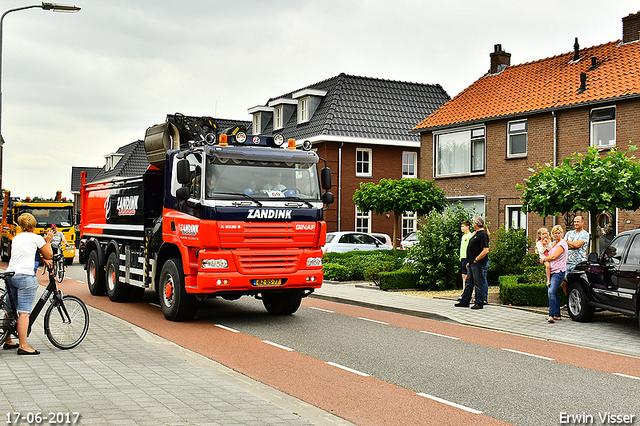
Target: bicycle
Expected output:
[59,265]
[66,320]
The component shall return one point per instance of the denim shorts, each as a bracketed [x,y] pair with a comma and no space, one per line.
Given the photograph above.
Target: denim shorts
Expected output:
[23,290]
[463,266]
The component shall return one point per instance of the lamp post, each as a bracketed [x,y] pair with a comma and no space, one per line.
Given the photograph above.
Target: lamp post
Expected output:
[54,7]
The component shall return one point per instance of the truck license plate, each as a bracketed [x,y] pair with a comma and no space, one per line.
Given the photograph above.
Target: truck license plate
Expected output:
[267,282]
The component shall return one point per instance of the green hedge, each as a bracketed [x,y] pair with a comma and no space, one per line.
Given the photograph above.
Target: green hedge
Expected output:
[514,291]
[335,272]
[398,279]
[363,265]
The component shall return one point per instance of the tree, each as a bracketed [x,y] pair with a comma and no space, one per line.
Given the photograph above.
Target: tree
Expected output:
[399,196]
[588,182]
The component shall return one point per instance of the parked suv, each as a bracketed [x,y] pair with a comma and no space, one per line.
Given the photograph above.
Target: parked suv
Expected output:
[610,281]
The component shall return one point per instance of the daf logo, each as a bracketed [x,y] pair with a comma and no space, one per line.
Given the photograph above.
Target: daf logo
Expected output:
[269,214]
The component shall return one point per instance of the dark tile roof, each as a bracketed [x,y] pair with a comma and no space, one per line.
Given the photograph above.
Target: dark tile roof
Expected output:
[364,107]
[546,84]
[76,178]
[133,163]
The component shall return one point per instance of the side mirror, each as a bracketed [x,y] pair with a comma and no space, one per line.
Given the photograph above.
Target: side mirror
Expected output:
[593,258]
[182,172]
[325,177]
[327,198]
[183,193]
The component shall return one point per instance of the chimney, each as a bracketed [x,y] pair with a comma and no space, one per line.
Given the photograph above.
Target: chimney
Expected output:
[631,28]
[576,50]
[499,59]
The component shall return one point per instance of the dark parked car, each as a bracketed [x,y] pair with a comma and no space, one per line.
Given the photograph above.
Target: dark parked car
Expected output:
[610,281]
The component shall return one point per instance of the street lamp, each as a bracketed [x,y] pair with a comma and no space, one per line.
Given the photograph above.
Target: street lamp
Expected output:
[54,7]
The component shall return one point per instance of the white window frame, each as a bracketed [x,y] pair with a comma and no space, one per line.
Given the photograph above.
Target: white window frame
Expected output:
[467,139]
[363,216]
[411,164]
[517,128]
[257,121]
[409,223]
[599,122]
[278,117]
[369,163]
[303,110]
[522,217]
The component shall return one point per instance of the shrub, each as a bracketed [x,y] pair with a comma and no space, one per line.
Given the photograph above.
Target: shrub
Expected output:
[509,251]
[437,254]
[372,272]
[402,278]
[357,262]
[335,272]
[514,290]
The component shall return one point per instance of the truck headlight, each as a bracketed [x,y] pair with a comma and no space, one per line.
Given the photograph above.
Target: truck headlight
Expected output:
[214,264]
[314,261]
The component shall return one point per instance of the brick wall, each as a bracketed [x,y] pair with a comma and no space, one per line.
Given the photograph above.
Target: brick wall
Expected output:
[497,185]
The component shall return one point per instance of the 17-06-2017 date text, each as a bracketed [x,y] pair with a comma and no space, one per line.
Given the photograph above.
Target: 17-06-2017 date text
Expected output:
[38,418]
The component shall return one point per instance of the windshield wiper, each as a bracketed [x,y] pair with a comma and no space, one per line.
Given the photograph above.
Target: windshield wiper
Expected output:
[295,197]
[247,196]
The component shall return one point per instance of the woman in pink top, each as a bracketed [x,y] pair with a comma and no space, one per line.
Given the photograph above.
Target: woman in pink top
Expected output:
[558,265]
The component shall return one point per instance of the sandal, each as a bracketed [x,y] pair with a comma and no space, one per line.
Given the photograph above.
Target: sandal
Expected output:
[557,318]
[550,319]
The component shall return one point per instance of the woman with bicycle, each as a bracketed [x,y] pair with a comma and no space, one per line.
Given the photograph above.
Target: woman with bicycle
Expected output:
[24,284]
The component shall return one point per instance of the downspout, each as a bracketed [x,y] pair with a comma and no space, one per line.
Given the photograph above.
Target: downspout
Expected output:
[340,184]
[555,148]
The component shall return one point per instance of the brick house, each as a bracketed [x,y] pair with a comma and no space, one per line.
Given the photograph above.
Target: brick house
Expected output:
[361,127]
[481,143]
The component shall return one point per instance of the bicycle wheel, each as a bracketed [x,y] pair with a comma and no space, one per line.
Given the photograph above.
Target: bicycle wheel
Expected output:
[66,332]
[6,321]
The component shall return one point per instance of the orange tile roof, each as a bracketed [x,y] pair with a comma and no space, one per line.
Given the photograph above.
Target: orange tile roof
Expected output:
[550,83]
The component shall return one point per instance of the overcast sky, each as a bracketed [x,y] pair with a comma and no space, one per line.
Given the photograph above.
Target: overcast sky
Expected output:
[77,86]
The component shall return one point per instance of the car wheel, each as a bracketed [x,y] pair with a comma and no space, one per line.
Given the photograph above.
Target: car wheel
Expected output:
[578,306]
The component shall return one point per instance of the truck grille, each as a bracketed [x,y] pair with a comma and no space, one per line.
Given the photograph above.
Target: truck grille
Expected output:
[268,262]
[267,235]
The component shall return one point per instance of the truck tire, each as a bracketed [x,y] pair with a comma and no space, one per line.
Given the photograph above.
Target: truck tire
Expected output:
[578,306]
[176,303]
[116,290]
[95,275]
[282,303]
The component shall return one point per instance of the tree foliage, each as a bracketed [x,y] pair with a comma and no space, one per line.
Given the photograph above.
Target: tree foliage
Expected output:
[588,182]
[510,246]
[399,196]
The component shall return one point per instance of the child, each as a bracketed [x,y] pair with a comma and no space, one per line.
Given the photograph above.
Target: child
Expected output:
[543,245]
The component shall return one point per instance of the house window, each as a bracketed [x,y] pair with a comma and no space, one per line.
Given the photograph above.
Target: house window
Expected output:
[517,138]
[256,123]
[363,162]
[363,221]
[603,127]
[409,223]
[409,161]
[460,153]
[515,218]
[278,124]
[303,110]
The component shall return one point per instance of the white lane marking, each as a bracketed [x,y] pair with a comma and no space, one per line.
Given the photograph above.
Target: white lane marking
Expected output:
[372,320]
[528,354]
[625,375]
[351,370]
[453,404]
[323,310]
[81,282]
[440,335]
[277,345]
[227,328]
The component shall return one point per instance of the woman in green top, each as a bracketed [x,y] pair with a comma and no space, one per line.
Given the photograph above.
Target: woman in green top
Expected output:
[466,236]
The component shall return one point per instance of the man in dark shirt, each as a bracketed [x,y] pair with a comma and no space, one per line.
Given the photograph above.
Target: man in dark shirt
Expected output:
[477,252]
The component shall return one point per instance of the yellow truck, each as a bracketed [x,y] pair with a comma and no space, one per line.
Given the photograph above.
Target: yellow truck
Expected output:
[46,213]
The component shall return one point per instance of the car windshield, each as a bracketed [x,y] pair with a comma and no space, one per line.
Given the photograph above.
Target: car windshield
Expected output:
[260,179]
[412,237]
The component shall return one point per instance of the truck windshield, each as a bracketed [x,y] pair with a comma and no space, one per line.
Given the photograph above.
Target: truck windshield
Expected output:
[46,216]
[261,179]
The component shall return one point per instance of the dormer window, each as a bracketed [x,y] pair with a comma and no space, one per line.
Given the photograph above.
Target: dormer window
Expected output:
[257,122]
[283,108]
[277,118]
[111,160]
[308,101]
[261,118]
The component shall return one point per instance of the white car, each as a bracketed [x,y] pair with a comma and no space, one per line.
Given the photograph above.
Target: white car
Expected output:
[342,242]
[409,240]
[383,238]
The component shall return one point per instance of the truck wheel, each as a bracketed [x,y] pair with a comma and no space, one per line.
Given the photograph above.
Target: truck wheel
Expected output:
[282,303]
[95,275]
[176,303]
[577,305]
[116,290]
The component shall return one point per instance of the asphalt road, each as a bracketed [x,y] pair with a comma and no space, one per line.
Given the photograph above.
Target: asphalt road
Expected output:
[463,366]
